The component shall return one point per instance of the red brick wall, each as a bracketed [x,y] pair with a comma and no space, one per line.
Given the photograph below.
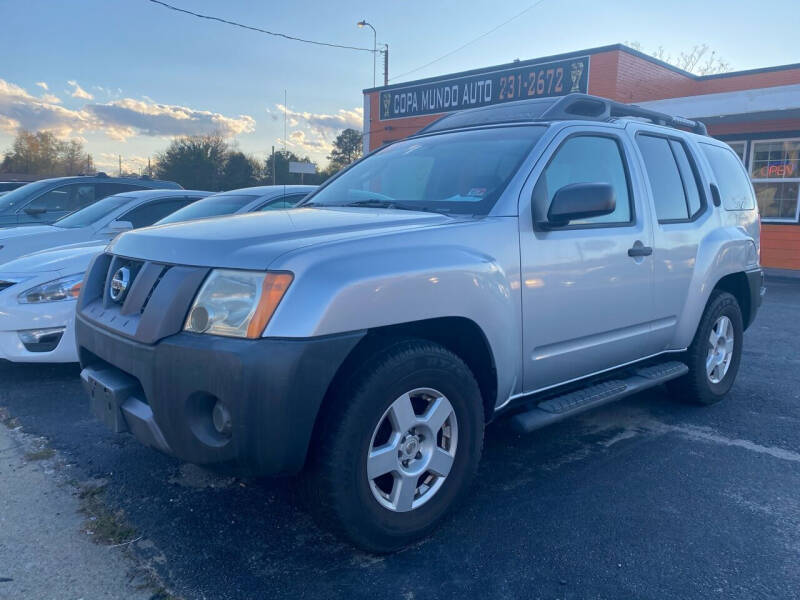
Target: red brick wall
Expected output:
[780,246]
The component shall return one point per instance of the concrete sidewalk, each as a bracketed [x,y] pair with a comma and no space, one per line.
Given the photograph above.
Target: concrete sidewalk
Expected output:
[45,553]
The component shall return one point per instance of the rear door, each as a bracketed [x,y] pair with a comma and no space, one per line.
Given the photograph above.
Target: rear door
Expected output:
[681,210]
[587,306]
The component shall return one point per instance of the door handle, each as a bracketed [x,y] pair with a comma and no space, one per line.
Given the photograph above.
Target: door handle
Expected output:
[639,249]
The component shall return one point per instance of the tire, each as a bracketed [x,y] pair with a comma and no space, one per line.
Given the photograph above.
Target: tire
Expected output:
[366,411]
[698,386]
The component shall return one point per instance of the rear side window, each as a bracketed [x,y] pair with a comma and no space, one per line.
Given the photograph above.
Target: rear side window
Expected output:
[147,214]
[676,193]
[732,181]
[586,159]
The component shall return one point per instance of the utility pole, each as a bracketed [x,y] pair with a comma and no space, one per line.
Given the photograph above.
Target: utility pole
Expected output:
[273,165]
[386,64]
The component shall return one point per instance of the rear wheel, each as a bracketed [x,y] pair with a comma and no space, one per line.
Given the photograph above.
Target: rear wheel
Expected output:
[715,353]
[399,446]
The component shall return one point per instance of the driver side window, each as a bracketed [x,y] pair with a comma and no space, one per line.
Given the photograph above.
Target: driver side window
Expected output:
[586,159]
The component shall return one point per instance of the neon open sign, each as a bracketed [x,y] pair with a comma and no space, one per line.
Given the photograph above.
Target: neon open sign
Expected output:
[783,169]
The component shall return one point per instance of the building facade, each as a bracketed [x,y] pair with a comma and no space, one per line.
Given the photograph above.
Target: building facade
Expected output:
[757,112]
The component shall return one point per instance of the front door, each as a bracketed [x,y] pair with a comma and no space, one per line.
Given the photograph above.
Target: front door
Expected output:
[587,305]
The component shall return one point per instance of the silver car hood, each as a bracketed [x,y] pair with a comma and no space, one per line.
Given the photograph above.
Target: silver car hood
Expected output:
[253,241]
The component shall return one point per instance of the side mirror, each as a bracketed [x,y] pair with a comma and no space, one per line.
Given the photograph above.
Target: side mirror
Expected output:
[580,201]
[119,226]
[35,210]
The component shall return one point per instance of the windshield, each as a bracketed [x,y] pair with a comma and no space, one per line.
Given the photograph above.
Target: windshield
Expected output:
[213,206]
[92,213]
[14,199]
[461,172]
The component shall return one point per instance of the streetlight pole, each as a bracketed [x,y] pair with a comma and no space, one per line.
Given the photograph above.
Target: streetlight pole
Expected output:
[363,24]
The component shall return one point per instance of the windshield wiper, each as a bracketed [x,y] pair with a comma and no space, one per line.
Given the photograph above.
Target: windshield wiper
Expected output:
[373,203]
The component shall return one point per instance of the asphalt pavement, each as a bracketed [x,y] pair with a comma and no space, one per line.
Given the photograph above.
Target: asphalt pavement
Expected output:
[646,498]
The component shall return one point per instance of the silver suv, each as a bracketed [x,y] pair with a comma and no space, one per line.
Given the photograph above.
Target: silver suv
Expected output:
[537,258]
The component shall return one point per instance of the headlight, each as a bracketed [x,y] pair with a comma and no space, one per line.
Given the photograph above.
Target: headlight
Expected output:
[65,288]
[237,303]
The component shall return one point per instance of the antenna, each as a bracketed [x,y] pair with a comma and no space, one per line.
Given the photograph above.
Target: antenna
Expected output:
[284,119]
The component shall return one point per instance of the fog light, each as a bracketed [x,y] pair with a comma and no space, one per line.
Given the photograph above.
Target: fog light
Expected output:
[41,340]
[199,319]
[221,418]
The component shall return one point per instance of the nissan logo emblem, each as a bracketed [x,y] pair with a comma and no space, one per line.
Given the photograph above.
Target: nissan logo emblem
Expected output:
[119,284]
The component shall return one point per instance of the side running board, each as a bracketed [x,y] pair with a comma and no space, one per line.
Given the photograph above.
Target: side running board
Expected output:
[581,400]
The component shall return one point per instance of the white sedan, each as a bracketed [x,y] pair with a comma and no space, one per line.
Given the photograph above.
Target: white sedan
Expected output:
[100,221]
[38,291]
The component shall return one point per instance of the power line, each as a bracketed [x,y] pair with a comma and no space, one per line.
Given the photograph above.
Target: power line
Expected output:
[472,41]
[258,29]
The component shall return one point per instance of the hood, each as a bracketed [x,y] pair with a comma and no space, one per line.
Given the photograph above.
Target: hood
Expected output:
[253,241]
[65,260]
[7,233]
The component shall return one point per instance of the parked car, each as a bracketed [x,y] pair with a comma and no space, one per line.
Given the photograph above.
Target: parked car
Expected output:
[540,257]
[38,291]
[44,201]
[99,222]
[244,200]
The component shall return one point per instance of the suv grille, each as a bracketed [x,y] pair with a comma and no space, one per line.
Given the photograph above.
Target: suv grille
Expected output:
[4,285]
[149,301]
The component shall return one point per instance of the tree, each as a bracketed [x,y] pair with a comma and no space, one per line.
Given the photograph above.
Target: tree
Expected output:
[195,162]
[240,171]
[346,148]
[700,60]
[43,154]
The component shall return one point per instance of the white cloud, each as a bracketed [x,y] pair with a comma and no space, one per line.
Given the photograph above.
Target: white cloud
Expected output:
[127,117]
[18,109]
[118,119]
[42,85]
[79,92]
[314,132]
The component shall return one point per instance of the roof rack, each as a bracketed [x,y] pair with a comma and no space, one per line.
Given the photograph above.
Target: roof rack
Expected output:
[571,106]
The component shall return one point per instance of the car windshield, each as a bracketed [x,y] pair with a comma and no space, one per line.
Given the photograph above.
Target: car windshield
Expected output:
[92,213]
[14,199]
[213,206]
[460,172]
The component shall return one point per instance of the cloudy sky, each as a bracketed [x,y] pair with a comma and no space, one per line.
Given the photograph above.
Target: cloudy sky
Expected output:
[125,76]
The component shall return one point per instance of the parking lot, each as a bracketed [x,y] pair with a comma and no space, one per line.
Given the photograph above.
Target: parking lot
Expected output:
[643,499]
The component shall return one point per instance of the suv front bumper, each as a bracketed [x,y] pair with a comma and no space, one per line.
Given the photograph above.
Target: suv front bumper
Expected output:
[165,393]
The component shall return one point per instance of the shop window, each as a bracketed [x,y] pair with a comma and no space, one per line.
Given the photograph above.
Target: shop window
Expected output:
[739,148]
[775,171]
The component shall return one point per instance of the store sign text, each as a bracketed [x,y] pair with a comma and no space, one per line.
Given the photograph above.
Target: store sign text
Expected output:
[517,83]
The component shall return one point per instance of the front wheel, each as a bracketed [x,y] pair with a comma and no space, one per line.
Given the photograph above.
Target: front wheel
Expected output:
[715,353]
[399,446]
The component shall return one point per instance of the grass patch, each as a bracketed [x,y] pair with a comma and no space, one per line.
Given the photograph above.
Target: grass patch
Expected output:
[105,525]
[43,454]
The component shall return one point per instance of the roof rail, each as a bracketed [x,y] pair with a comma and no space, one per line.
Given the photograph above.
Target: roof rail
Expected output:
[596,108]
[571,106]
